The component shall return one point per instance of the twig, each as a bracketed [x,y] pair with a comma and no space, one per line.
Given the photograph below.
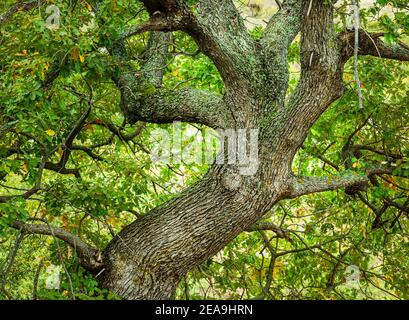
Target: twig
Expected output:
[35,281]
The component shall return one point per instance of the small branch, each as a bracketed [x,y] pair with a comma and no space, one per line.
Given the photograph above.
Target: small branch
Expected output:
[264,226]
[55,70]
[271,267]
[11,257]
[117,131]
[34,189]
[48,165]
[378,151]
[155,23]
[331,278]
[320,155]
[88,151]
[307,247]
[68,141]
[74,132]
[57,168]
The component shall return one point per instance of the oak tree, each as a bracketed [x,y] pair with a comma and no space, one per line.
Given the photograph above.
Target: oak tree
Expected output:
[80,99]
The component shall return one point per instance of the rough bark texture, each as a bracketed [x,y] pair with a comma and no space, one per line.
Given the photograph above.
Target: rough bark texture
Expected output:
[147,259]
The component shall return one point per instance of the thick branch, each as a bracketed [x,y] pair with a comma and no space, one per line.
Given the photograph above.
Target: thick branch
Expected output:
[321,74]
[89,256]
[221,34]
[144,99]
[167,106]
[156,56]
[217,28]
[372,44]
[307,185]
[278,36]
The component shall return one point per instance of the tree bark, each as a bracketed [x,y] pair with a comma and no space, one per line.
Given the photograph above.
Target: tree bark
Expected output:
[149,257]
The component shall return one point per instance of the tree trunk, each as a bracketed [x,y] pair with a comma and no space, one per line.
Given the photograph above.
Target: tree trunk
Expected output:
[147,259]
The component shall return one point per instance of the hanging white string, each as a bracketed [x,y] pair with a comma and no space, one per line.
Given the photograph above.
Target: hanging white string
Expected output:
[356,50]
